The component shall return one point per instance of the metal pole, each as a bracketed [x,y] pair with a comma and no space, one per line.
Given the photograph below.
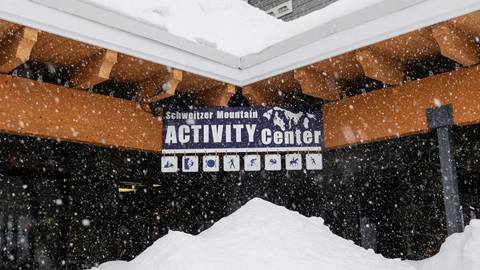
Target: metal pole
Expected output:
[441,119]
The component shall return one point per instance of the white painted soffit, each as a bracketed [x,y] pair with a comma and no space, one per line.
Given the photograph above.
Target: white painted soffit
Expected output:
[88,10]
[387,19]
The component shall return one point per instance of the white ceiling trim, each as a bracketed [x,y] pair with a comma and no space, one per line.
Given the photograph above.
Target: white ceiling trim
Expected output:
[131,25]
[352,32]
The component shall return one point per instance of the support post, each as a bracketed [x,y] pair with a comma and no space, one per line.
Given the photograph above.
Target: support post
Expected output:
[441,119]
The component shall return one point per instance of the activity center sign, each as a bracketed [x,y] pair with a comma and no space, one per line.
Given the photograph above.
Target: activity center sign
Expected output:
[242,130]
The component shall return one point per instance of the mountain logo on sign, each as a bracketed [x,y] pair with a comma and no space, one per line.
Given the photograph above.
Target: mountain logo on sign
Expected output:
[287,120]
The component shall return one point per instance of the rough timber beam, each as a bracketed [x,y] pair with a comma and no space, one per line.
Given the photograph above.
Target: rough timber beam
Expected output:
[7,27]
[167,83]
[61,51]
[15,48]
[216,97]
[39,109]
[319,85]
[401,111]
[94,70]
[456,44]
[261,96]
[380,67]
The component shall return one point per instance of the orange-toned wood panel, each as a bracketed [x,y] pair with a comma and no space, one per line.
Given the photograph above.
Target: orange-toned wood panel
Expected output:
[61,51]
[39,109]
[408,47]
[196,83]
[93,70]
[131,69]
[401,111]
[381,67]
[318,84]
[7,27]
[456,44]
[344,66]
[284,82]
[469,23]
[16,48]
[216,97]
[270,92]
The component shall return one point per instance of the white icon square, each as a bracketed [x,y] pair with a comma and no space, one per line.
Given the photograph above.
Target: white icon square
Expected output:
[273,162]
[231,163]
[169,164]
[252,163]
[314,161]
[211,163]
[190,164]
[293,162]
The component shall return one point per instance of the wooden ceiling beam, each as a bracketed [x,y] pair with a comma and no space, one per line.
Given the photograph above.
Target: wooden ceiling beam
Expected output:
[16,47]
[257,96]
[32,108]
[94,70]
[216,97]
[7,27]
[61,51]
[318,84]
[456,45]
[148,91]
[380,67]
[401,111]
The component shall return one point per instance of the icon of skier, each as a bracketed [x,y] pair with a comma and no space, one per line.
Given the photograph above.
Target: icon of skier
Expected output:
[232,163]
[168,165]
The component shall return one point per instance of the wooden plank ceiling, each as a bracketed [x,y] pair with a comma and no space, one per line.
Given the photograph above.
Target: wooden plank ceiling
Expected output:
[386,62]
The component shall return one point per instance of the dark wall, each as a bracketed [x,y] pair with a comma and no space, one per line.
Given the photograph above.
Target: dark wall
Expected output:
[394,185]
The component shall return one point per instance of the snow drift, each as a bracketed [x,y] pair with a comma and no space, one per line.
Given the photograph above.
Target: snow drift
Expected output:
[460,251]
[263,236]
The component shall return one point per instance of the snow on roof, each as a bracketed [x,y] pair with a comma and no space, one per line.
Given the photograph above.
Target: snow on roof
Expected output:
[232,26]
[263,236]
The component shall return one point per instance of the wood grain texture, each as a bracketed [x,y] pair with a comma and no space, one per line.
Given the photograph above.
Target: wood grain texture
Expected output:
[401,111]
[16,48]
[39,109]
[380,67]
[216,97]
[94,70]
[456,44]
[148,91]
[316,84]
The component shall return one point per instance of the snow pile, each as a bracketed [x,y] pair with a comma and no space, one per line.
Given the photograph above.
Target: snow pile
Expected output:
[232,26]
[460,252]
[259,236]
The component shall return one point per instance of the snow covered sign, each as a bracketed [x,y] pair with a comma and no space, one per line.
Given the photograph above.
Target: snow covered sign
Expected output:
[242,129]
